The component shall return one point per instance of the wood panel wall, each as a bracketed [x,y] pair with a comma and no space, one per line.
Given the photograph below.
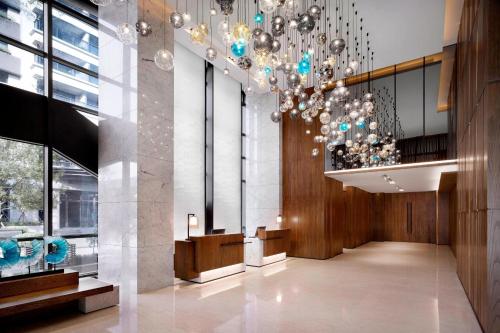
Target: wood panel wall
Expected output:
[477,102]
[358,226]
[313,206]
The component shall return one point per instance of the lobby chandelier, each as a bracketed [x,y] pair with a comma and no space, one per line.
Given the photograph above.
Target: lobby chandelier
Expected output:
[291,45]
[307,52]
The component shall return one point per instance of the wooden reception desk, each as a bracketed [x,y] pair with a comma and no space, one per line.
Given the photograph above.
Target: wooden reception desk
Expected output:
[267,247]
[205,258]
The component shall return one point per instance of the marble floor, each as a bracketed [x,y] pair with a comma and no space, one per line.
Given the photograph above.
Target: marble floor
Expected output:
[379,287]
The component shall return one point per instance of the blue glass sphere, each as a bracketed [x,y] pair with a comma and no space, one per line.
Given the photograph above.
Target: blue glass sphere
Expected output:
[268,70]
[258,18]
[238,49]
[375,158]
[360,124]
[304,67]
[302,106]
[344,126]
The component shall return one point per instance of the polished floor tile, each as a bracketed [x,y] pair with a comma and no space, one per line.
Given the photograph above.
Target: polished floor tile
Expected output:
[379,287]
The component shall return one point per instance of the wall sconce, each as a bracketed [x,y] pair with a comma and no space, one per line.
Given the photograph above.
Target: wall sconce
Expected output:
[192,222]
[279,219]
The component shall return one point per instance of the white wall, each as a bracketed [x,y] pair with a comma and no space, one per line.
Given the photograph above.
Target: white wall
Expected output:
[189,141]
[227,153]
[402,30]
[262,152]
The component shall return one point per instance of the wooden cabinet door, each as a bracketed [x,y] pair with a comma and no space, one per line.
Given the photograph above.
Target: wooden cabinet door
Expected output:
[395,226]
[422,217]
[410,217]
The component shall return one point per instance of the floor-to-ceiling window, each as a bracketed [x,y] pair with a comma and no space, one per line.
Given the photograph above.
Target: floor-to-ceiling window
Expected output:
[50,48]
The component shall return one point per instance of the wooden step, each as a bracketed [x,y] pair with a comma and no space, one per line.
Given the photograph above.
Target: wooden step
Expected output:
[39,299]
[23,284]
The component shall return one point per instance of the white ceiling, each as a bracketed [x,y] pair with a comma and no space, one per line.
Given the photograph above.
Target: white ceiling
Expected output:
[417,177]
[400,30]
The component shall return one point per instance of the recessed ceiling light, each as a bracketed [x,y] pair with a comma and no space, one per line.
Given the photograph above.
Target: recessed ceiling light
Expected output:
[392,182]
[401,190]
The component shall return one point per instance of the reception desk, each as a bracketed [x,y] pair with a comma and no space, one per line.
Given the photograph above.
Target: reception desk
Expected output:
[267,247]
[205,258]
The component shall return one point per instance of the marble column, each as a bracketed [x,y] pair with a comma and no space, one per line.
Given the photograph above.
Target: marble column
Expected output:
[263,162]
[135,152]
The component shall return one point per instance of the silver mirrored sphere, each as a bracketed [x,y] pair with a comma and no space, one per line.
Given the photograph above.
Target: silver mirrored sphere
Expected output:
[315,12]
[273,80]
[293,80]
[143,28]
[321,39]
[263,43]
[176,20]
[306,23]
[276,46]
[257,32]
[211,54]
[226,6]
[244,63]
[337,46]
[276,116]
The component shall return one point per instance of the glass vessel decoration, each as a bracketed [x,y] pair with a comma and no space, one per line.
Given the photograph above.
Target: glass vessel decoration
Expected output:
[59,250]
[9,253]
[33,256]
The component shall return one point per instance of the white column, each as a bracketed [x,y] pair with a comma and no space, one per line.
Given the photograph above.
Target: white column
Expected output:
[135,155]
[263,184]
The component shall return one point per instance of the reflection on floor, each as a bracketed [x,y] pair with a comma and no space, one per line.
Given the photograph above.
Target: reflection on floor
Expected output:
[378,287]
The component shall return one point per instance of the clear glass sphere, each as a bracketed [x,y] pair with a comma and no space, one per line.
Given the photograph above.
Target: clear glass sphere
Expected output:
[268,6]
[325,129]
[324,118]
[315,152]
[187,17]
[126,33]
[164,59]
[223,29]
[291,6]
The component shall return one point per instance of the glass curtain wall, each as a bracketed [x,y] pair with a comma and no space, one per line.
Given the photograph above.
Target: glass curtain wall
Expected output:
[70,61]
[73,51]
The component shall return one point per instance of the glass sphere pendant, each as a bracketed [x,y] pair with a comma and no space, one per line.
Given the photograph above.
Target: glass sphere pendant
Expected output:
[164,59]
[126,33]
